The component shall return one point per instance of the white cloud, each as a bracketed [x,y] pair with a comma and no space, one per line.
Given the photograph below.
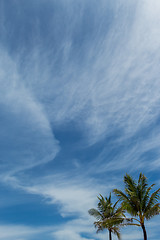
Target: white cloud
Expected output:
[21,232]
[132,235]
[72,230]
[26,130]
[117,90]
[74,197]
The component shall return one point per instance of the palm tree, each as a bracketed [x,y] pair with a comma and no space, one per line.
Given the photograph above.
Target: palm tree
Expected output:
[138,200]
[108,216]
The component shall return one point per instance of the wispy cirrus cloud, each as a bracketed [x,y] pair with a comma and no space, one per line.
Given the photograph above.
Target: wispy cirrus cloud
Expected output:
[23,121]
[98,69]
[74,196]
[21,232]
[121,92]
[119,89]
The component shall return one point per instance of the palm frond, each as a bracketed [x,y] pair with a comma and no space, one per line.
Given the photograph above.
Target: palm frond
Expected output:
[136,199]
[155,210]
[122,196]
[130,183]
[146,197]
[114,206]
[116,231]
[95,213]
[152,200]
[109,216]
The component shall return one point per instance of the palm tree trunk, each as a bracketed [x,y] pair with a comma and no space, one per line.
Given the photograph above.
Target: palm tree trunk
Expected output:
[110,234]
[144,231]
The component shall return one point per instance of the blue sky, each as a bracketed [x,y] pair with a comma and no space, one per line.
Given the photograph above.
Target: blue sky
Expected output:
[79,108]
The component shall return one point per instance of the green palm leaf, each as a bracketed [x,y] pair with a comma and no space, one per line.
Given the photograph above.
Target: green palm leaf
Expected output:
[109,216]
[138,200]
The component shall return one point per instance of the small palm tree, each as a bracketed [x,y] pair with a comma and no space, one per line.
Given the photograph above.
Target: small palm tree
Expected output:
[138,200]
[108,216]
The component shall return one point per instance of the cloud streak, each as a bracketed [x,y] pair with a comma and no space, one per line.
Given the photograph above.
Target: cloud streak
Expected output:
[97,69]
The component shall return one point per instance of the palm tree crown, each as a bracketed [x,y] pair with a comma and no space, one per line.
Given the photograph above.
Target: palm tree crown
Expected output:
[138,200]
[108,216]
